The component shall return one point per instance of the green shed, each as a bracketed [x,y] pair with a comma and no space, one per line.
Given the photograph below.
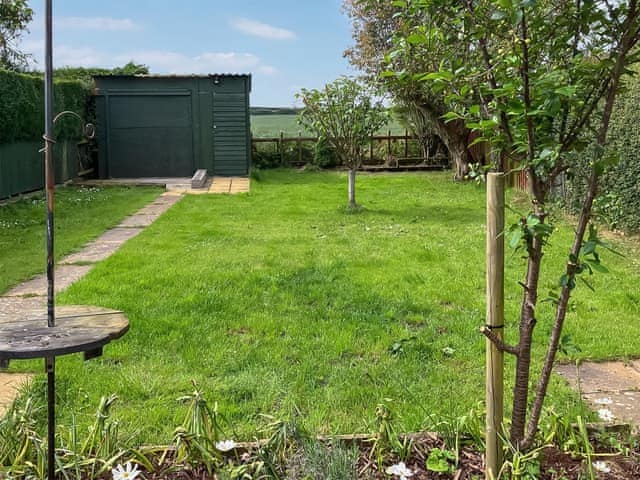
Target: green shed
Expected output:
[171,126]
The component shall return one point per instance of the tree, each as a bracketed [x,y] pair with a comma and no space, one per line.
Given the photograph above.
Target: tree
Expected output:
[545,91]
[375,24]
[14,17]
[344,114]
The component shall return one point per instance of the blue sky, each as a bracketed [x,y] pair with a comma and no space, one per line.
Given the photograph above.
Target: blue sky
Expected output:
[284,44]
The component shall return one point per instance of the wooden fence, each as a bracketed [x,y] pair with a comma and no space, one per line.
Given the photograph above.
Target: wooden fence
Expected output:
[396,152]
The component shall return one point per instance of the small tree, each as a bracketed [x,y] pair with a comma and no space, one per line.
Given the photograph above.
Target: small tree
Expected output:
[546,74]
[344,114]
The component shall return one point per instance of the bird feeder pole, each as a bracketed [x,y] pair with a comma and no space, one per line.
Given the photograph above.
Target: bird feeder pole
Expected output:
[50,362]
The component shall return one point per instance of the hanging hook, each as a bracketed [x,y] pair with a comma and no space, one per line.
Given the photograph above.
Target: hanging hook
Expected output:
[89,129]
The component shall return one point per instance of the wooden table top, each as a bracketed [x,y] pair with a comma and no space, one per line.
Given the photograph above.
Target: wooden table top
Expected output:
[77,329]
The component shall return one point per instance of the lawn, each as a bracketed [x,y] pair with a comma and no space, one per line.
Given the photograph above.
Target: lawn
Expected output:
[271,125]
[281,302]
[81,214]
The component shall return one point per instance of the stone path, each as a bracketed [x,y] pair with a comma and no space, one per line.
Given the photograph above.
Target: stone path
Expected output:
[611,388]
[182,185]
[29,298]
[229,185]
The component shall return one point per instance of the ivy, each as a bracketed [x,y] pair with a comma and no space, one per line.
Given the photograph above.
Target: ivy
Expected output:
[22,112]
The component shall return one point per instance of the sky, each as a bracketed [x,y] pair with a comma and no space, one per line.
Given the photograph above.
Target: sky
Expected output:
[284,44]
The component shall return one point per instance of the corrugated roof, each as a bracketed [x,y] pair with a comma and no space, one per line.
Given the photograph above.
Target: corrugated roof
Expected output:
[208,75]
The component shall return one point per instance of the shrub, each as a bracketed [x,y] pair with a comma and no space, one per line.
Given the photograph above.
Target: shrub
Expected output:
[22,112]
[618,204]
[324,155]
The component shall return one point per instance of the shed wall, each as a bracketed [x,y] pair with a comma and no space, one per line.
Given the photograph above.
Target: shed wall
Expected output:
[172,126]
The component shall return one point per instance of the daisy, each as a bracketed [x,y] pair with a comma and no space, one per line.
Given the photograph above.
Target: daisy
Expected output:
[225,445]
[401,470]
[125,473]
[606,415]
[601,467]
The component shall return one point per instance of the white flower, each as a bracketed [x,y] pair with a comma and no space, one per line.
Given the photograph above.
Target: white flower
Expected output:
[125,473]
[606,415]
[401,470]
[603,401]
[601,467]
[225,445]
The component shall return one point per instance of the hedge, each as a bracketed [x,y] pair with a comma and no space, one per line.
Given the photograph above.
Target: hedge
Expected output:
[22,112]
[618,202]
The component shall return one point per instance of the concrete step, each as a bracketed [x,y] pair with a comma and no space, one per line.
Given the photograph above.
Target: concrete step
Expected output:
[199,179]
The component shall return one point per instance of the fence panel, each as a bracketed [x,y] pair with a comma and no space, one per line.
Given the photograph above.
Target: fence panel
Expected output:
[22,166]
[384,151]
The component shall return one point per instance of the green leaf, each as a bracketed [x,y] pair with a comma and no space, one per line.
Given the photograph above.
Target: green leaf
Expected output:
[439,460]
[417,39]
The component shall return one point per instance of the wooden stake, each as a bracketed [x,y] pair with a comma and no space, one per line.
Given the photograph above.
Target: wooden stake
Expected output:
[495,322]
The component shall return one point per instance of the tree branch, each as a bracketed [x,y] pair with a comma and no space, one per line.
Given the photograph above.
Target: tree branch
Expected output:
[498,342]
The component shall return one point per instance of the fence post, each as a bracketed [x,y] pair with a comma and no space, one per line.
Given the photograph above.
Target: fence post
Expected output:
[494,322]
[406,143]
[281,147]
[371,150]
[388,143]
[300,147]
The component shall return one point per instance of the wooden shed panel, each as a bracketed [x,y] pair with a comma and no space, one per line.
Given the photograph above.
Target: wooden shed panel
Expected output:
[230,134]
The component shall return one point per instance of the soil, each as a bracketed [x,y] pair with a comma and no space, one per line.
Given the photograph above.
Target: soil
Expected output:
[553,464]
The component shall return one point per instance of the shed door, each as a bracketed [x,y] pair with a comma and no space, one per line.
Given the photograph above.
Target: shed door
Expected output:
[230,127]
[150,135]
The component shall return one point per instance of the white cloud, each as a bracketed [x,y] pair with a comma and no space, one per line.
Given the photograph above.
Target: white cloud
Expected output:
[66,55]
[207,62]
[262,30]
[159,61]
[267,70]
[95,23]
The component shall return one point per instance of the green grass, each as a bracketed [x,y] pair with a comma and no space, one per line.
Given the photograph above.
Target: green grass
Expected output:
[81,214]
[281,301]
[271,125]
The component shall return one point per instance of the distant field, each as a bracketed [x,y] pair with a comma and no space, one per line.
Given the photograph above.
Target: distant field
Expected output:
[271,125]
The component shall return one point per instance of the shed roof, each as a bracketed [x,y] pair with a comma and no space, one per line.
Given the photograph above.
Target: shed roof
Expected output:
[178,76]
[208,75]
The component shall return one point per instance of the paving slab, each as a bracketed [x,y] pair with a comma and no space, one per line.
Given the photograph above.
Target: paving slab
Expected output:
[119,235]
[601,377]
[10,385]
[65,275]
[611,388]
[93,252]
[239,185]
[139,220]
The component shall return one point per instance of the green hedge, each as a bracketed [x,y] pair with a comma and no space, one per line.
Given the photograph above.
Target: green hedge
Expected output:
[22,112]
[618,203]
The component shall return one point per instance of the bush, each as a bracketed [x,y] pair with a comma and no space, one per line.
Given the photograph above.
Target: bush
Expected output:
[618,203]
[324,155]
[22,112]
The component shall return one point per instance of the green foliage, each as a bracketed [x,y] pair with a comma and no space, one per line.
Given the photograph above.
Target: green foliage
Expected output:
[334,462]
[86,75]
[441,461]
[14,17]
[324,154]
[343,113]
[618,203]
[22,112]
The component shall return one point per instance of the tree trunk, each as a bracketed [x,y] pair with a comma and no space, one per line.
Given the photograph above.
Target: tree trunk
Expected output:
[454,136]
[352,188]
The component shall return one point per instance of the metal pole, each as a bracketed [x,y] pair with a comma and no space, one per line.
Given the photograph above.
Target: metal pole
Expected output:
[495,322]
[49,183]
